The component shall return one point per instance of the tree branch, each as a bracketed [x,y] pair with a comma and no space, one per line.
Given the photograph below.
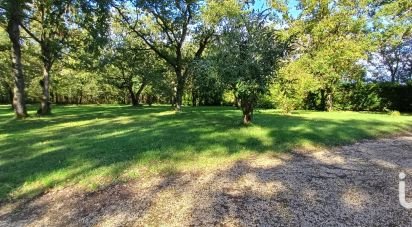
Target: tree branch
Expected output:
[144,38]
[30,33]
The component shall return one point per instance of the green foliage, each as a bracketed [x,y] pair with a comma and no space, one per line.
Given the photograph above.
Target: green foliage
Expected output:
[207,87]
[293,85]
[359,96]
[214,11]
[266,101]
[6,83]
[362,96]
[330,40]
[203,50]
[246,57]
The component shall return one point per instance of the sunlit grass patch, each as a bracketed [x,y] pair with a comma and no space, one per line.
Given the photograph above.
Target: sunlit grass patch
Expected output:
[93,146]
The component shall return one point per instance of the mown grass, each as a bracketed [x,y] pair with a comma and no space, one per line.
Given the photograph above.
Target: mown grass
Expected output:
[92,146]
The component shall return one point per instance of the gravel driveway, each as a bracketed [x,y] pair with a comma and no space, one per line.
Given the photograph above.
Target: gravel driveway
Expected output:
[355,185]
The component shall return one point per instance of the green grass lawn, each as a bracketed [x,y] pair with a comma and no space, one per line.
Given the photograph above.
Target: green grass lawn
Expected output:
[92,146]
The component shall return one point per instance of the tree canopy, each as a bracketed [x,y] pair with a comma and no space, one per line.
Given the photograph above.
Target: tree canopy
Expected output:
[205,52]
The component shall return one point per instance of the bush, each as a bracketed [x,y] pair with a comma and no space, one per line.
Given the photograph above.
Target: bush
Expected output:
[363,96]
[266,102]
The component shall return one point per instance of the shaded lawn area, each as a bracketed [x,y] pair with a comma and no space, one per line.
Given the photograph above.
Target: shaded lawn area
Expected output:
[93,146]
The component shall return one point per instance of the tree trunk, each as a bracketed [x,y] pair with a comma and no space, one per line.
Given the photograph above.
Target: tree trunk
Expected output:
[45,105]
[247,108]
[194,98]
[179,89]
[132,96]
[13,30]
[329,100]
[139,92]
[10,90]
[179,98]
[150,100]
[81,97]
[322,100]
[57,100]
[236,100]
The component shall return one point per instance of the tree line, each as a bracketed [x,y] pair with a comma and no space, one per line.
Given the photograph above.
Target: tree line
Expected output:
[297,54]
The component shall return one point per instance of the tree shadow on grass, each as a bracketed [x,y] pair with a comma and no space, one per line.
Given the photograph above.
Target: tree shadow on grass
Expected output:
[346,187]
[81,142]
[343,187]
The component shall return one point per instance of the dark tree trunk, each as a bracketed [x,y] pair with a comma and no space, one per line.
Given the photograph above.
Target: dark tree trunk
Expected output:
[150,100]
[393,79]
[45,105]
[132,96]
[247,109]
[13,30]
[322,100]
[139,92]
[179,88]
[81,97]
[10,90]
[194,97]
[57,98]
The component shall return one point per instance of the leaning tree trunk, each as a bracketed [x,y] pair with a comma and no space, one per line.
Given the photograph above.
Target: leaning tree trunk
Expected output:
[45,105]
[19,100]
[139,92]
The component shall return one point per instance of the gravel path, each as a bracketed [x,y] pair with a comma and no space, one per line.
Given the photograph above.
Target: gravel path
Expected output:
[354,185]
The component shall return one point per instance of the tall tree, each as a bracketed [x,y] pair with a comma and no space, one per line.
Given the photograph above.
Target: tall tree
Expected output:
[12,14]
[50,22]
[391,32]
[47,24]
[6,82]
[166,26]
[247,56]
[330,42]
[129,65]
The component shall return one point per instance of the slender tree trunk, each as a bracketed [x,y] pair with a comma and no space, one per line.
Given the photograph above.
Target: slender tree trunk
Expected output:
[13,30]
[81,97]
[329,100]
[150,100]
[57,98]
[45,105]
[322,100]
[10,90]
[194,97]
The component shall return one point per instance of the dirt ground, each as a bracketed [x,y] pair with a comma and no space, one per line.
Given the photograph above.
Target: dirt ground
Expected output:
[355,185]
